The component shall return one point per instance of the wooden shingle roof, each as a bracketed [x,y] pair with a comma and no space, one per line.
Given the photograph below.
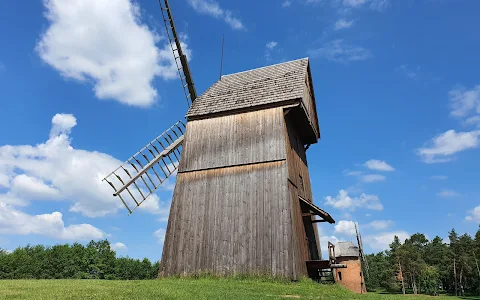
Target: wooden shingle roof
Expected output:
[346,249]
[262,86]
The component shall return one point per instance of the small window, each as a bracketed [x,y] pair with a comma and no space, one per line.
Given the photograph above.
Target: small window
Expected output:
[300,179]
[339,275]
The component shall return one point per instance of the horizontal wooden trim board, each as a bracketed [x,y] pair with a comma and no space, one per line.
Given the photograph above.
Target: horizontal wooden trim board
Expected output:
[261,165]
[286,103]
[191,175]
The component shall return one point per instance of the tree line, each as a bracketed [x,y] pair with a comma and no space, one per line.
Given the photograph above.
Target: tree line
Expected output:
[96,260]
[421,266]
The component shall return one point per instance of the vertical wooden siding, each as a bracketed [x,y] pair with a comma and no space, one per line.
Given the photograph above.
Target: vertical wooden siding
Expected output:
[231,210]
[231,220]
[300,249]
[234,140]
[297,166]
[297,159]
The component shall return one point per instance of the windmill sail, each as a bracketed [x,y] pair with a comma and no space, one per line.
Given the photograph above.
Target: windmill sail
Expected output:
[360,248]
[181,61]
[144,172]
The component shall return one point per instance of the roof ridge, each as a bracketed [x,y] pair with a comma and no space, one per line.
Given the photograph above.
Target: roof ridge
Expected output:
[285,62]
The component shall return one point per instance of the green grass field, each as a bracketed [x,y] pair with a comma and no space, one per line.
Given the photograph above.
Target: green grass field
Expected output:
[173,288]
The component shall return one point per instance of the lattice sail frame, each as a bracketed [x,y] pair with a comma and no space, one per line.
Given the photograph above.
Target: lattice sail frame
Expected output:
[140,168]
[137,178]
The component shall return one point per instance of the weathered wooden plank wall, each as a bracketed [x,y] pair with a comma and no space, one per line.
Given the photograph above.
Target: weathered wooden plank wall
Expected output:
[299,246]
[235,207]
[234,140]
[231,210]
[214,227]
[297,160]
[297,166]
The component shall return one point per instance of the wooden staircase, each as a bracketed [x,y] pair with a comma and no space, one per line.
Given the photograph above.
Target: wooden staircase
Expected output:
[320,271]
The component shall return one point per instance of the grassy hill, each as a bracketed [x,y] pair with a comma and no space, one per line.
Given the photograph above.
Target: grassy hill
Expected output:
[174,288]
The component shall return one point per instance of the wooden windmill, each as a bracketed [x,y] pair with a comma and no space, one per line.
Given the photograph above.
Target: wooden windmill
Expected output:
[242,202]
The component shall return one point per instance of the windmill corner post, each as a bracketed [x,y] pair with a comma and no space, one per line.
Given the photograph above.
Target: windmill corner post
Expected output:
[242,203]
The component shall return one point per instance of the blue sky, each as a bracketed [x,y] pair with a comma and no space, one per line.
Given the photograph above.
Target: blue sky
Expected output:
[85,85]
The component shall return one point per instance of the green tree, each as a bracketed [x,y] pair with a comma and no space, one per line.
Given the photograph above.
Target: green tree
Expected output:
[381,273]
[96,260]
[429,279]
[437,255]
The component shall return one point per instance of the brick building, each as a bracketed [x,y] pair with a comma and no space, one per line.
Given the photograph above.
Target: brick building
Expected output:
[346,253]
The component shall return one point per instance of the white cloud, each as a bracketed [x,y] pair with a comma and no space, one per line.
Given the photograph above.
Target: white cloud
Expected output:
[160,235]
[118,246]
[324,239]
[378,165]
[339,51]
[13,221]
[446,193]
[354,3]
[464,102]
[286,3]
[31,188]
[352,173]
[4,179]
[343,24]
[62,124]
[442,147]
[381,241]
[438,177]
[345,227]
[212,8]
[372,178]
[271,45]
[474,215]
[475,120]
[343,201]
[107,44]
[72,174]
[379,224]
[155,206]
[379,5]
